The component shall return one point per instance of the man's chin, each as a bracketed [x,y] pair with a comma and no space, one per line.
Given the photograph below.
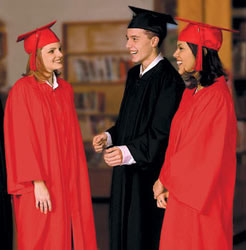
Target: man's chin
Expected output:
[135,61]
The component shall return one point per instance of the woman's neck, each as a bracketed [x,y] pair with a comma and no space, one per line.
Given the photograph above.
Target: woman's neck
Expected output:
[50,79]
[198,77]
[199,87]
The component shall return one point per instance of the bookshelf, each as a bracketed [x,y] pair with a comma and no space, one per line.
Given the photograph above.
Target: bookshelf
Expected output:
[3,53]
[239,80]
[239,73]
[96,63]
[239,57]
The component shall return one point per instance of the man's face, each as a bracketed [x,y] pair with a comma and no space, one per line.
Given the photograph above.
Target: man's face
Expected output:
[139,45]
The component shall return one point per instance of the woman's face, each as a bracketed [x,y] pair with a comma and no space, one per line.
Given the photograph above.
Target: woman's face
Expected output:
[52,56]
[185,58]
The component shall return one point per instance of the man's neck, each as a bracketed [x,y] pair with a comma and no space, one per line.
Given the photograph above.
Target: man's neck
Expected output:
[148,61]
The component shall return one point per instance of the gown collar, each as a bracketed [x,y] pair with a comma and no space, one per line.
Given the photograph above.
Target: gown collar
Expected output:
[152,65]
[55,83]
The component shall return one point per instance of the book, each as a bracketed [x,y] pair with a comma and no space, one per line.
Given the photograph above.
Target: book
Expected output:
[101,68]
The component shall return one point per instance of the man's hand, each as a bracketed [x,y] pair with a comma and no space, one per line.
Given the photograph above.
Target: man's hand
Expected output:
[42,197]
[113,156]
[100,142]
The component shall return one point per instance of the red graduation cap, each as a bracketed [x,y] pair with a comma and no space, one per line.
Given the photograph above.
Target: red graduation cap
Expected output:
[203,35]
[36,39]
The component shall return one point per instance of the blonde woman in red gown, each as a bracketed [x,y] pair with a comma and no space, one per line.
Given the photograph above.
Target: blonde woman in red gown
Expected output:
[46,165]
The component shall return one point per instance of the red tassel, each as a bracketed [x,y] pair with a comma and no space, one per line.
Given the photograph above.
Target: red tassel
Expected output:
[33,56]
[198,64]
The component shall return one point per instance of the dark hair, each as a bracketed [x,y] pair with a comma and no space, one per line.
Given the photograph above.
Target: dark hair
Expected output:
[151,34]
[211,65]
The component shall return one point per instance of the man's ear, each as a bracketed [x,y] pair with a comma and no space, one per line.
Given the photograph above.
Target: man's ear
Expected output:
[155,41]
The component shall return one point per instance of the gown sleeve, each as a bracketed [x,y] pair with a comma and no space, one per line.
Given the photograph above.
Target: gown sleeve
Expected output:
[146,148]
[23,151]
[113,130]
[206,151]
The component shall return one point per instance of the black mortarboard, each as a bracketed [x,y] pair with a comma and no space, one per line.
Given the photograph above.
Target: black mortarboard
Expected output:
[151,20]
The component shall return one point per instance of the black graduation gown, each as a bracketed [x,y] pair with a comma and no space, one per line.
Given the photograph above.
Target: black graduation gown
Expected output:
[143,125]
[6,227]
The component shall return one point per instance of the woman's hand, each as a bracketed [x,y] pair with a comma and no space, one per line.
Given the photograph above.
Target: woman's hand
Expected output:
[42,197]
[158,189]
[162,200]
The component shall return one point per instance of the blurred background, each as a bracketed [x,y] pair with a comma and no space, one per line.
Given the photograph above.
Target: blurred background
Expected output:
[96,63]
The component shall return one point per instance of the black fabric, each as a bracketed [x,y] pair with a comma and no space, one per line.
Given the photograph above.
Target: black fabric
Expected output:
[143,126]
[150,20]
[6,227]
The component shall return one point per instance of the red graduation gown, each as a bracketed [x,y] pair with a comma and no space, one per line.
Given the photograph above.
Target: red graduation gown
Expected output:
[43,142]
[199,172]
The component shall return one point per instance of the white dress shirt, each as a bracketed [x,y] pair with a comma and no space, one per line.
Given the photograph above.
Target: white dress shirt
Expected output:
[55,83]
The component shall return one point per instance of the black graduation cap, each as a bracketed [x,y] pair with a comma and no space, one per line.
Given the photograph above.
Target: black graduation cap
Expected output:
[151,20]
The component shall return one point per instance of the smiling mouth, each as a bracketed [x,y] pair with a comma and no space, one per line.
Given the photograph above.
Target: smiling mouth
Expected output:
[133,52]
[179,63]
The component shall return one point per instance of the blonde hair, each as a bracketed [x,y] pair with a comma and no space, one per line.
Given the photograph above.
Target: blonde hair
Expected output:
[41,74]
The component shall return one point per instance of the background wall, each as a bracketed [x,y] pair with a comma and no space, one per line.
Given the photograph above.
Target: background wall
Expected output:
[24,15]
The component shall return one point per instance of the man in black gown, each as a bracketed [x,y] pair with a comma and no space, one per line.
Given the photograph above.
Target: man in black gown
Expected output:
[5,203]
[139,138]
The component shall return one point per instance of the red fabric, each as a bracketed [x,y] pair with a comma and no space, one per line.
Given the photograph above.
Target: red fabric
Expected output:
[199,171]
[43,142]
[203,35]
[36,39]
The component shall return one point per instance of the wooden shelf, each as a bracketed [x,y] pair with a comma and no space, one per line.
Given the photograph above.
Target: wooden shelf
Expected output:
[96,53]
[88,112]
[96,63]
[240,77]
[101,83]
[239,12]
[239,64]
[100,181]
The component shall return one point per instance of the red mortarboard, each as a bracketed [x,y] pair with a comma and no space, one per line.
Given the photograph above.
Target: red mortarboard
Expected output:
[36,39]
[203,35]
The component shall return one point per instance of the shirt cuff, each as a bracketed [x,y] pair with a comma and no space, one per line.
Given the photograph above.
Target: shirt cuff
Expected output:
[109,139]
[126,155]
